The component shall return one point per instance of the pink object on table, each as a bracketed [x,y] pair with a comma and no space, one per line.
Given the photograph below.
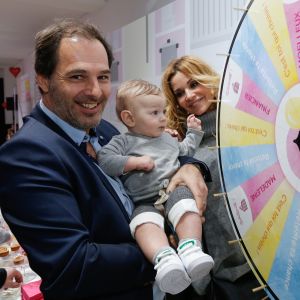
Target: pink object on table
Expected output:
[31,291]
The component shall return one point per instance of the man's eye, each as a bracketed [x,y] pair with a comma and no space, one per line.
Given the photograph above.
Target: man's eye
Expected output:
[77,77]
[104,77]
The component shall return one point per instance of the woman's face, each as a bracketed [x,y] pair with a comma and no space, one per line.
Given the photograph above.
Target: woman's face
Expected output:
[191,95]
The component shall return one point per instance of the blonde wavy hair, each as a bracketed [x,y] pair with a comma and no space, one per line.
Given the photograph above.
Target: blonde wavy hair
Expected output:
[192,67]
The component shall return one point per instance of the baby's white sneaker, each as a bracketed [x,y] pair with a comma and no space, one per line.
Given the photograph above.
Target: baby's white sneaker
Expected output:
[171,275]
[197,263]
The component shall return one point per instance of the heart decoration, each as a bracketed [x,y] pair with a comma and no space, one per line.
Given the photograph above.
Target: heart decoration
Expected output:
[4,104]
[15,71]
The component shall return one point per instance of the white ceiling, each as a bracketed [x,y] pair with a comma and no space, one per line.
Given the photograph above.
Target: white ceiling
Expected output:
[21,19]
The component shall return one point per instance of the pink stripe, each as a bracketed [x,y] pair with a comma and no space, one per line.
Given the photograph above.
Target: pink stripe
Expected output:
[255,102]
[292,12]
[260,188]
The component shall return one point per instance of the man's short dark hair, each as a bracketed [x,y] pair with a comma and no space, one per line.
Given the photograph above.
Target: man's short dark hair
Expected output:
[47,42]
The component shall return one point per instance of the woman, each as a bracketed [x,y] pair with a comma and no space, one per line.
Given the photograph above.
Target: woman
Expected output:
[189,85]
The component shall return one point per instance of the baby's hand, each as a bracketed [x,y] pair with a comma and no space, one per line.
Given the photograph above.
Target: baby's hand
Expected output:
[172,132]
[144,163]
[141,163]
[193,122]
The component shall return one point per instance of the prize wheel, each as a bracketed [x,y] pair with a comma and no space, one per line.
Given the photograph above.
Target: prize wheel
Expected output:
[259,142]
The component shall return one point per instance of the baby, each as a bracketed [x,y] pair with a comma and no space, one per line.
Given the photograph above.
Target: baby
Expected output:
[145,158]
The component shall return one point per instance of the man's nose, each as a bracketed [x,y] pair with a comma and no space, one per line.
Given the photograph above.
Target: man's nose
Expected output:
[94,87]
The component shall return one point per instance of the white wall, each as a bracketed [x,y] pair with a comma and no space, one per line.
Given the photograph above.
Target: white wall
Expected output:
[114,15]
[215,54]
[118,13]
[172,24]
[124,15]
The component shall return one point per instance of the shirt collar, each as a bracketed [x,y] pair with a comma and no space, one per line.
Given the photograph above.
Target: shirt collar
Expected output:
[77,135]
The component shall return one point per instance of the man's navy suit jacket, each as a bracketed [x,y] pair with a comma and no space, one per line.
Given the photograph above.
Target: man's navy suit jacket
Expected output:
[67,216]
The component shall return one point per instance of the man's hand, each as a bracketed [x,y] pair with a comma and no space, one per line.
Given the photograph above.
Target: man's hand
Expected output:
[190,176]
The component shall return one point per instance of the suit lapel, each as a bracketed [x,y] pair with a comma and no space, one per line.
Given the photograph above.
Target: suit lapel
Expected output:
[40,116]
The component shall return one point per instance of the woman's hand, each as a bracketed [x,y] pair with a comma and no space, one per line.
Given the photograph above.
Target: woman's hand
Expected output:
[190,176]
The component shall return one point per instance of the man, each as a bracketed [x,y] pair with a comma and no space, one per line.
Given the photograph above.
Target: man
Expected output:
[70,218]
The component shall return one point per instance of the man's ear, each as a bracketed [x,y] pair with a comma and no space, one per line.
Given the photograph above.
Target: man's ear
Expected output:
[127,118]
[43,83]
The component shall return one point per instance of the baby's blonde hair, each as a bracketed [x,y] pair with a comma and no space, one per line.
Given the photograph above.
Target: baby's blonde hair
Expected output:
[133,88]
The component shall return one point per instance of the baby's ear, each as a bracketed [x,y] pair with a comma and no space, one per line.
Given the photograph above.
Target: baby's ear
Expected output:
[127,118]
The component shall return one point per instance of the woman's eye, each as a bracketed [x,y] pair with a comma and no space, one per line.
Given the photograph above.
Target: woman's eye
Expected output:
[194,84]
[178,94]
